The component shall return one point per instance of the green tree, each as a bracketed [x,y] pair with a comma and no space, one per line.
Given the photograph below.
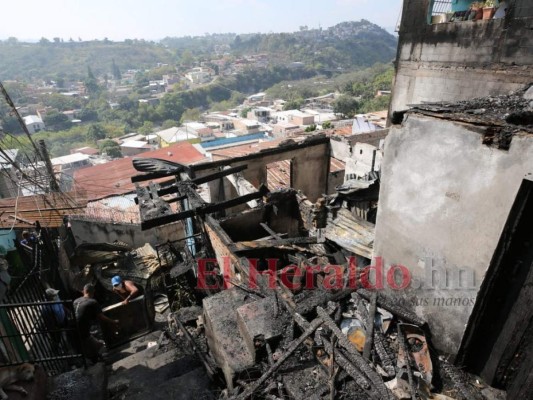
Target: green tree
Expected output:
[311,128]
[57,121]
[327,125]
[346,106]
[187,58]
[91,84]
[10,124]
[245,111]
[146,128]
[191,114]
[111,148]
[95,132]
[116,71]
[87,114]
[169,123]
[293,105]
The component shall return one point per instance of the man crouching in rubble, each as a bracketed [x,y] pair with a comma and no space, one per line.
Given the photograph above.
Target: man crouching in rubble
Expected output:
[127,290]
[88,311]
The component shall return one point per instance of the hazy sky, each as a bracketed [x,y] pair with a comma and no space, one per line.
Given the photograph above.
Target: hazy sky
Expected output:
[155,19]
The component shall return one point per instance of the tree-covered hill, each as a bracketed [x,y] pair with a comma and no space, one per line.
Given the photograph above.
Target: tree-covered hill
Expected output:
[55,60]
[346,46]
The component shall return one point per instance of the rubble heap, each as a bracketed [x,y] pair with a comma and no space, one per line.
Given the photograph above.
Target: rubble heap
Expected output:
[362,346]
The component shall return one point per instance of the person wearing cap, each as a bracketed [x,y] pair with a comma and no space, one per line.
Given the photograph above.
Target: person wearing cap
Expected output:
[28,239]
[127,290]
[87,311]
[55,316]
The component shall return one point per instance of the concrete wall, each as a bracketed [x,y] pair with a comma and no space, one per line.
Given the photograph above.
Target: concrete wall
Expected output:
[445,197]
[101,232]
[461,60]
[310,167]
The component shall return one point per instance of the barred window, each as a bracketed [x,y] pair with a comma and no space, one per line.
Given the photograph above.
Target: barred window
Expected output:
[441,6]
[446,10]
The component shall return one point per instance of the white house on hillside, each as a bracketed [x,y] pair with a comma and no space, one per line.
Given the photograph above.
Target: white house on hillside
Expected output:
[34,123]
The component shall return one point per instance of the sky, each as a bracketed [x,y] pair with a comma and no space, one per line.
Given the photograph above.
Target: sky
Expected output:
[155,19]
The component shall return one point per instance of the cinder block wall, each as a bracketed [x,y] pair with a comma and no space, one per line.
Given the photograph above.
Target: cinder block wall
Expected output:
[461,60]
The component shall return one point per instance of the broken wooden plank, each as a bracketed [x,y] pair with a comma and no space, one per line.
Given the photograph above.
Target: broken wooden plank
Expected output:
[354,356]
[313,326]
[405,351]
[359,378]
[342,361]
[370,326]
[252,245]
[270,231]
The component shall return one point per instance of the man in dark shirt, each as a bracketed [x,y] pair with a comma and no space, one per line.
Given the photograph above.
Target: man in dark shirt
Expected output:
[87,312]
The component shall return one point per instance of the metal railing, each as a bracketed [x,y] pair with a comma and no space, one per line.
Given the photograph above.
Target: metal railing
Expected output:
[33,329]
[43,332]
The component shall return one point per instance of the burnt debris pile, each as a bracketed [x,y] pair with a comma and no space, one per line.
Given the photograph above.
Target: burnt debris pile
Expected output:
[362,346]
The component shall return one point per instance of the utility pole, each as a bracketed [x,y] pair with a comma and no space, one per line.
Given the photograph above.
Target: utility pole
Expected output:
[54,186]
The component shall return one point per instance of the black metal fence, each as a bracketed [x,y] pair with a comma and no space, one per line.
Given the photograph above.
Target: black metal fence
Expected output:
[33,329]
[43,332]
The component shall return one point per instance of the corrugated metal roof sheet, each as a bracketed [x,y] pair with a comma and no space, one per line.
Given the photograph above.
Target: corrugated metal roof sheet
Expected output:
[49,209]
[279,173]
[114,178]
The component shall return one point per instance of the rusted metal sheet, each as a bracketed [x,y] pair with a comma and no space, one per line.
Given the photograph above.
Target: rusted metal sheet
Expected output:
[352,233]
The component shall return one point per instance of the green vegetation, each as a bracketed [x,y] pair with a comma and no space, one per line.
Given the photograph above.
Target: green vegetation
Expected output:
[69,60]
[358,90]
[111,148]
[346,45]
[298,65]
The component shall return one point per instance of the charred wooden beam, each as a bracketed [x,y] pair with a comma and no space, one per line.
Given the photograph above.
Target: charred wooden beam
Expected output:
[175,199]
[313,326]
[370,326]
[405,351]
[175,188]
[253,245]
[270,231]
[351,353]
[221,174]
[203,210]
[359,378]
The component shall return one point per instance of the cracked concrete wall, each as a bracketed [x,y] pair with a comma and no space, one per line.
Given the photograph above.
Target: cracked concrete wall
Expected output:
[444,200]
[461,60]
